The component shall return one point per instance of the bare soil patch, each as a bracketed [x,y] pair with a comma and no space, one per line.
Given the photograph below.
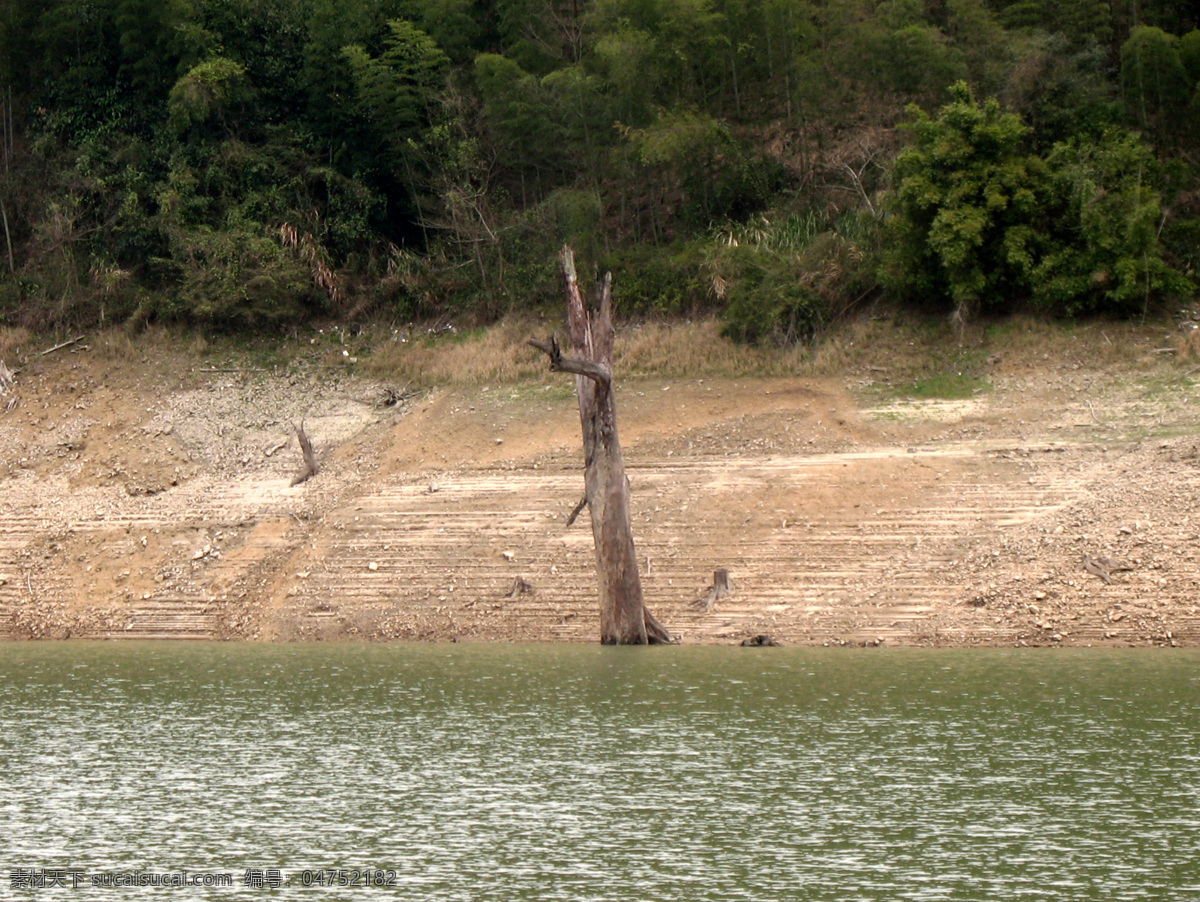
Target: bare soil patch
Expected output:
[145,490]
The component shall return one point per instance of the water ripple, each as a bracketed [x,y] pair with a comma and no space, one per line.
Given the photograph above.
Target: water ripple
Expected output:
[600,774]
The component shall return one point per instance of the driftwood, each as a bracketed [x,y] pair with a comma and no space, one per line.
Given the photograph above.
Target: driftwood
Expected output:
[61,345]
[1104,567]
[721,586]
[310,458]
[390,396]
[624,619]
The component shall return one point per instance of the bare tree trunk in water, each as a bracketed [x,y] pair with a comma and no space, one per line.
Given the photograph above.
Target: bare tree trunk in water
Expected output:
[624,619]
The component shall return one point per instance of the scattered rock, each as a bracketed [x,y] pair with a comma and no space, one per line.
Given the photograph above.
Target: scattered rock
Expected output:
[760,641]
[521,586]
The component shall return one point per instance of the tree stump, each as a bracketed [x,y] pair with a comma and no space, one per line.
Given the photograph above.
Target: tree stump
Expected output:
[624,619]
[521,586]
[310,458]
[721,586]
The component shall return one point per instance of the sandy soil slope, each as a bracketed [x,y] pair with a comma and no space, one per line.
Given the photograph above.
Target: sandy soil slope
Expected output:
[150,497]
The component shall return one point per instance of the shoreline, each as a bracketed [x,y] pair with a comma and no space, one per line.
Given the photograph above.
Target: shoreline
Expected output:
[1055,507]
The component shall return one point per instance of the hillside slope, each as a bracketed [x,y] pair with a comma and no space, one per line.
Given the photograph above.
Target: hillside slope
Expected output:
[149,495]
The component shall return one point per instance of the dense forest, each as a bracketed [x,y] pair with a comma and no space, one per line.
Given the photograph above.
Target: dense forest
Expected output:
[242,163]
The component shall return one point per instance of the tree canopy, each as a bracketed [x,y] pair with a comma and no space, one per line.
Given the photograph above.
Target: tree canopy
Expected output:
[234,162]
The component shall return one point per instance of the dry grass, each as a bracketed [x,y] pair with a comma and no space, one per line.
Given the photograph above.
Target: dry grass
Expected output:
[678,350]
[864,343]
[114,345]
[1115,347]
[882,347]
[500,354]
[1187,344]
[903,348]
[156,346]
[198,345]
[13,340]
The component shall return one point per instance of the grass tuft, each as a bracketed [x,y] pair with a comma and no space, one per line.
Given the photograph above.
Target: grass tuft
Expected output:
[947,386]
[1187,344]
[12,340]
[500,354]
[115,344]
[697,349]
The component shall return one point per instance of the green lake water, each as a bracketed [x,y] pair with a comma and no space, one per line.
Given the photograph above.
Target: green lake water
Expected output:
[460,772]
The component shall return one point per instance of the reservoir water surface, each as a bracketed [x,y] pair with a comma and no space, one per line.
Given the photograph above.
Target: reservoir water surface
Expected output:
[466,772]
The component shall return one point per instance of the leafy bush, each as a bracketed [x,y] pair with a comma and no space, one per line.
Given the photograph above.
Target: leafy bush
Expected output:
[1155,81]
[980,222]
[666,281]
[785,279]
[213,89]
[967,198]
[770,300]
[1105,253]
[232,277]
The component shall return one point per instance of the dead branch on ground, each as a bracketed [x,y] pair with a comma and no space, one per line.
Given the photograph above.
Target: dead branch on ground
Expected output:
[61,345]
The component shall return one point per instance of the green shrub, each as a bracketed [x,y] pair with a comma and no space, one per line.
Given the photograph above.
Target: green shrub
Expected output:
[785,277]
[770,300]
[233,277]
[666,281]
[981,223]
[1106,254]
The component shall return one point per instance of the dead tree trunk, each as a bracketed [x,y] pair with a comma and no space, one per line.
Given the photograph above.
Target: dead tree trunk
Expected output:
[310,458]
[624,619]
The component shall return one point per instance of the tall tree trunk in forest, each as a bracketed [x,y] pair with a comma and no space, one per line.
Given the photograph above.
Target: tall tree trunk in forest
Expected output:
[624,619]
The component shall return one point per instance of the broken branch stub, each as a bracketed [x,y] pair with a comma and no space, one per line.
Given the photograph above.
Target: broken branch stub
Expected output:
[521,586]
[578,509]
[601,373]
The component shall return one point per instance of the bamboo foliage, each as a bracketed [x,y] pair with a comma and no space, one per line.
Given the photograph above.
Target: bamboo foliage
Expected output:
[180,134]
[314,255]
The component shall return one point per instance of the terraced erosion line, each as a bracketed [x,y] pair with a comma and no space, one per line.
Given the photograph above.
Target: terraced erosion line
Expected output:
[396,559]
[53,558]
[447,560]
[127,512]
